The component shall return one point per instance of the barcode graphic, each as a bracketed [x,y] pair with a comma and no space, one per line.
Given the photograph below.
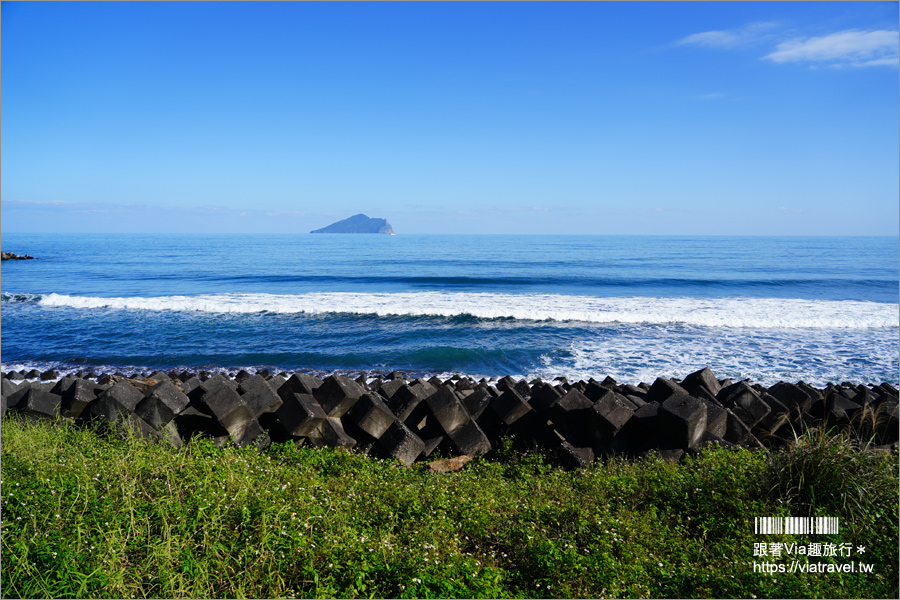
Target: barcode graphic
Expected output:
[795,525]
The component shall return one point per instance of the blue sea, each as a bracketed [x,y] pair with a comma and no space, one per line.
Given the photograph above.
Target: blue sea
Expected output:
[816,309]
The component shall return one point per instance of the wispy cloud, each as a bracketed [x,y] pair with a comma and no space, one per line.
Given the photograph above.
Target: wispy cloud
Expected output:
[845,48]
[850,48]
[729,38]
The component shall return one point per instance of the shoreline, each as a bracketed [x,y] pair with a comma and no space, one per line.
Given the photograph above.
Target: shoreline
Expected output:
[393,416]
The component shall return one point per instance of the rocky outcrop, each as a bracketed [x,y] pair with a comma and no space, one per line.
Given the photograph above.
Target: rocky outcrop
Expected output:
[358,224]
[11,256]
[393,417]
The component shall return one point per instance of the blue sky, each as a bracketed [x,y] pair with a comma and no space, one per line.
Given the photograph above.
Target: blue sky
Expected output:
[590,118]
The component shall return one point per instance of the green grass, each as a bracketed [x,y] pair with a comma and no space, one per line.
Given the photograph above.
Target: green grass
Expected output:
[88,515]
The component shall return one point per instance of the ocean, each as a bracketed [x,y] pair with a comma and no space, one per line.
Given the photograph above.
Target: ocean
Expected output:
[815,309]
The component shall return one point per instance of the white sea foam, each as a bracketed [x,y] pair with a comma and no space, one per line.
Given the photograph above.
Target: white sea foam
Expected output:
[702,312]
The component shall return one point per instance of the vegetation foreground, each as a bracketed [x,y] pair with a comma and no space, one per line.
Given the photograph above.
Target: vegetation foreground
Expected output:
[85,514]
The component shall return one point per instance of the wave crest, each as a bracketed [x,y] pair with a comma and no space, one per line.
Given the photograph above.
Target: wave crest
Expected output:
[702,312]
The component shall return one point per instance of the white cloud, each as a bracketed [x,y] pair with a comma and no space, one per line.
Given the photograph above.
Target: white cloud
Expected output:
[730,38]
[850,48]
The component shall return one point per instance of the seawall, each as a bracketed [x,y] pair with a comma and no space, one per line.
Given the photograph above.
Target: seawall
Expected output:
[410,419]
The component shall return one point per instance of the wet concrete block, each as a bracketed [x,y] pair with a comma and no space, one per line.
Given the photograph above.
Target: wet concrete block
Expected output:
[161,404]
[372,415]
[683,419]
[259,396]
[338,394]
[400,443]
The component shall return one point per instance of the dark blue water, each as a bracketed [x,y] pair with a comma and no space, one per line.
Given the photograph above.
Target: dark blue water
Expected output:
[817,309]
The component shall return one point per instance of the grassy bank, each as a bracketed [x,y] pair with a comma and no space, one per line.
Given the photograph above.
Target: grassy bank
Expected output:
[86,515]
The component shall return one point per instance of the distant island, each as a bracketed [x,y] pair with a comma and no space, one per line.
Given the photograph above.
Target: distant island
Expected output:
[358,224]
